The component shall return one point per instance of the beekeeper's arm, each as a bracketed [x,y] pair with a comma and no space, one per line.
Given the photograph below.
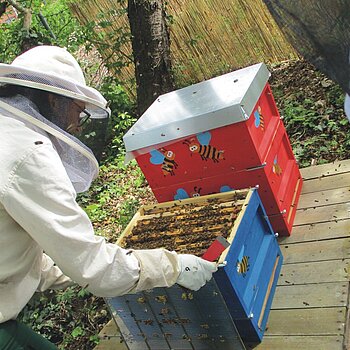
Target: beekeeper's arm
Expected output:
[41,199]
[51,276]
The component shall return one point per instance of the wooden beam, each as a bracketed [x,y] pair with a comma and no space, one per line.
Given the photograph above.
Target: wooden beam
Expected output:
[326,197]
[267,296]
[318,232]
[326,183]
[301,342]
[323,170]
[311,322]
[315,272]
[327,213]
[310,295]
[316,251]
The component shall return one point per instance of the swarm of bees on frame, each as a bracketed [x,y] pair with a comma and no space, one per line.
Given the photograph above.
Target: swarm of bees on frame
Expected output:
[186,228]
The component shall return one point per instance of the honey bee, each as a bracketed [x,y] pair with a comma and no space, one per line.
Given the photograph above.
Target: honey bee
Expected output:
[200,145]
[166,158]
[259,119]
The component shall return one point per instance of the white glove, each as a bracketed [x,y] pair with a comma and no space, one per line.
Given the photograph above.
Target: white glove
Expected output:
[194,271]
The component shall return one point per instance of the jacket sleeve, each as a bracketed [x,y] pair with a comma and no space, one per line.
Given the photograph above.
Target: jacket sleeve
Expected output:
[41,199]
[51,276]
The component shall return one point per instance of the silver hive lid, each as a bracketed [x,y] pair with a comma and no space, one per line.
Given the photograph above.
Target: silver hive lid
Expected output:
[220,101]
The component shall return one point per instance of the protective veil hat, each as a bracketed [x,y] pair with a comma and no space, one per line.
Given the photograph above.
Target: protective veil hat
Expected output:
[54,69]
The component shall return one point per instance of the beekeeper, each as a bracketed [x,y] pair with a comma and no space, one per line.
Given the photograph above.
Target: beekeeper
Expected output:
[44,101]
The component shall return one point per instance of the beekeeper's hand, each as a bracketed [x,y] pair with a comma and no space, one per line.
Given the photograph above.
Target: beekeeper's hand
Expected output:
[194,271]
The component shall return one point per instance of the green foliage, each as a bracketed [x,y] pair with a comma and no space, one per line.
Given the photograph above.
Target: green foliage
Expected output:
[112,41]
[64,29]
[115,196]
[121,119]
[317,127]
[72,316]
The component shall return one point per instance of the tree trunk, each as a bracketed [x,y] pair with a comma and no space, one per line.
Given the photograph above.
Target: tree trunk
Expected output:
[151,49]
[27,42]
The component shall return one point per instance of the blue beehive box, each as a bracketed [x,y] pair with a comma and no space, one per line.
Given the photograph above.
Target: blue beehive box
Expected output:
[233,307]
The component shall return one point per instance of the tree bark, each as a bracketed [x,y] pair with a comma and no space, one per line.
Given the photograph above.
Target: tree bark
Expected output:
[3,7]
[151,49]
[27,43]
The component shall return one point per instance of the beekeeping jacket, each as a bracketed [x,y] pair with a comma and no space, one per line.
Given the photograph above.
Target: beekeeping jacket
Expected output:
[44,235]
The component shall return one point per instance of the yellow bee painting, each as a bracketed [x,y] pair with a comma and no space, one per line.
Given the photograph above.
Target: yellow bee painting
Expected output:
[166,159]
[242,264]
[200,145]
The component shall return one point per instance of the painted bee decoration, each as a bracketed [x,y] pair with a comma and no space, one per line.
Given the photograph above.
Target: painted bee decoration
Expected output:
[166,158]
[242,264]
[182,194]
[259,119]
[200,145]
[276,169]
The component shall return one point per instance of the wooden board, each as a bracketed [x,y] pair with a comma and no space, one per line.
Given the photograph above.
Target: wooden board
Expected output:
[318,231]
[301,342]
[324,197]
[315,272]
[327,213]
[310,296]
[323,170]
[317,321]
[317,251]
[326,183]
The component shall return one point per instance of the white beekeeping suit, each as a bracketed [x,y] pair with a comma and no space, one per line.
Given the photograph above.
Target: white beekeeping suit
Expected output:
[42,169]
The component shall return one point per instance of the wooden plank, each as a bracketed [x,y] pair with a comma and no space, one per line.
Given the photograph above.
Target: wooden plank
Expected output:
[269,287]
[129,227]
[315,272]
[112,343]
[318,231]
[316,251]
[314,215]
[110,338]
[327,197]
[347,325]
[198,201]
[311,295]
[326,183]
[317,321]
[338,167]
[300,342]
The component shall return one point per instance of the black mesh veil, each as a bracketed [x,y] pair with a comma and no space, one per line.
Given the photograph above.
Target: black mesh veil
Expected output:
[319,31]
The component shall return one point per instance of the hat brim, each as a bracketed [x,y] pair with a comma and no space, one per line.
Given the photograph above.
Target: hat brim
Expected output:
[12,74]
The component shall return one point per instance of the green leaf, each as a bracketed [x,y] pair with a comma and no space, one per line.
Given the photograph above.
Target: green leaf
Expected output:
[77,332]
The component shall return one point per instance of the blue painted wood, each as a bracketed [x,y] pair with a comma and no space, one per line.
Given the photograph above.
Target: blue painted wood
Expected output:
[244,293]
[168,319]
[124,318]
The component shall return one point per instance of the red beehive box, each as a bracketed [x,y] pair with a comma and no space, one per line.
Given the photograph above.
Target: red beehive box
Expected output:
[236,146]
[277,177]
[220,134]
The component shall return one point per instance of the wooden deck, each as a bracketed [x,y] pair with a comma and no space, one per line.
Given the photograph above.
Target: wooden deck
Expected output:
[311,305]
